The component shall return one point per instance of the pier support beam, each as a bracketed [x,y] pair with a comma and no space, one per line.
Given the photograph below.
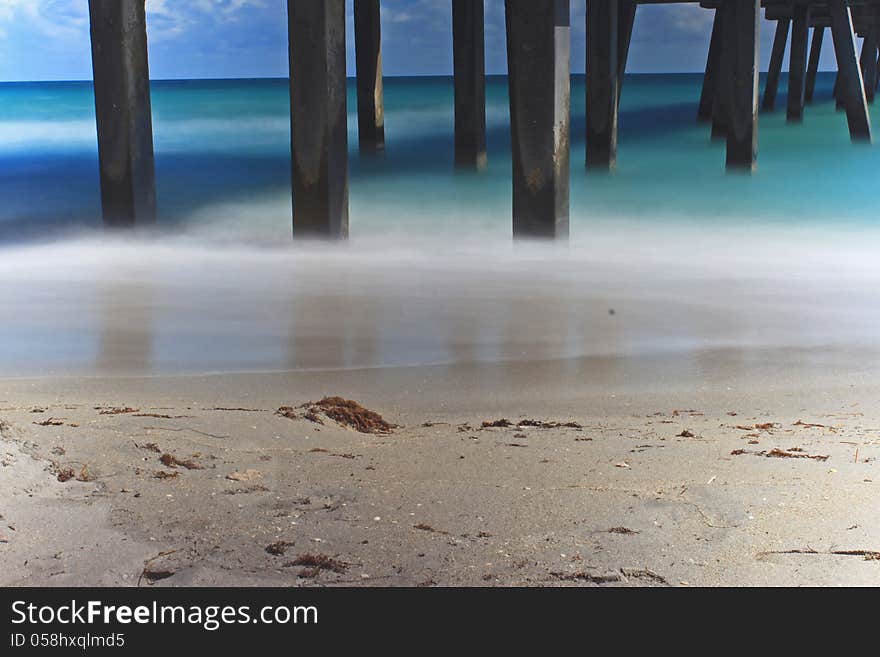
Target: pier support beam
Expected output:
[538,46]
[713,66]
[868,63]
[602,83]
[319,134]
[813,66]
[776,57]
[741,31]
[851,87]
[626,19]
[368,58]
[122,108]
[797,63]
[469,54]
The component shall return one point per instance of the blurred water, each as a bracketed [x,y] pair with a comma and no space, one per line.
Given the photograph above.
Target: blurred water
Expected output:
[689,258]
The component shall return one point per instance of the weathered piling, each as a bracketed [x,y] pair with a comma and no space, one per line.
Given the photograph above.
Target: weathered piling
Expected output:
[602,83]
[868,63]
[122,109]
[469,67]
[771,87]
[813,66]
[319,135]
[538,46]
[741,30]
[713,66]
[851,89]
[368,59]
[797,66]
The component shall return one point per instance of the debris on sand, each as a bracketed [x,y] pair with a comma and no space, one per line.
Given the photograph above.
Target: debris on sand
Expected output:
[248,475]
[644,574]
[795,453]
[345,412]
[318,562]
[278,548]
[161,474]
[152,574]
[582,576]
[868,555]
[427,528]
[687,433]
[810,425]
[171,461]
[504,423]
[123,410]
[50,422]
[622,530]
[150,447]
[66,473]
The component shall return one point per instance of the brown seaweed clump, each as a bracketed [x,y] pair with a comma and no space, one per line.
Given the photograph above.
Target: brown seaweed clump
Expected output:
[319,562]
[346,412]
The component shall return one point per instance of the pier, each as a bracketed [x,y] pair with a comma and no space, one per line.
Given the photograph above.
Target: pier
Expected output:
[538,57]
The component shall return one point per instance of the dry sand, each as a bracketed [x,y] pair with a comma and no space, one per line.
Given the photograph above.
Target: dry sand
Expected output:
[651,489]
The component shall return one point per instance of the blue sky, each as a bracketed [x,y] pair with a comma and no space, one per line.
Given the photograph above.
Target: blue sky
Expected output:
[48,39]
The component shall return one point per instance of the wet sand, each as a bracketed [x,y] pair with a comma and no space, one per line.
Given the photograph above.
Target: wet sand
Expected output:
[670,477]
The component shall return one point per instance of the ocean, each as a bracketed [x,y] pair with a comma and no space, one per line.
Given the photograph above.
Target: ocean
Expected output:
[686,256]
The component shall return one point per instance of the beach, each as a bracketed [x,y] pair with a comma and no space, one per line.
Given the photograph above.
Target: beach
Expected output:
[746,478]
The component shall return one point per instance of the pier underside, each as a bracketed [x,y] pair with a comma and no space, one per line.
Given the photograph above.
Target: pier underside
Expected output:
[538,65]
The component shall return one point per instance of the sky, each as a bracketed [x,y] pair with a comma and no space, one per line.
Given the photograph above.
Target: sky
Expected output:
[49,39]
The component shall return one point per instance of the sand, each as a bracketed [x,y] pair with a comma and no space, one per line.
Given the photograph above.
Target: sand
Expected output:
[667,480]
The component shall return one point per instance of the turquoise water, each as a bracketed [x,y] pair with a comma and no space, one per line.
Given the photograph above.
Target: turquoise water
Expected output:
[222,159]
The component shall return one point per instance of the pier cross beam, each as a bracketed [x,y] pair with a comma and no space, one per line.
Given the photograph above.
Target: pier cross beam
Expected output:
[868,63]
[469,67]
[626,19]
[776,56]
[602,83]
[318,121]
[797,67]
[740,80]
[368,59]
[851,87]
[713,67]
[123,113]
[813,66]
[538,48]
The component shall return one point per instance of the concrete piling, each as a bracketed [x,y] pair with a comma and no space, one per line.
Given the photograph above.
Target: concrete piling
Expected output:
[368,59]
[469,66]
[602,83]
[123,112]
[538,47]
[813,66]
[797,68]
[741,30]
[771,88]
[318,121]
[851,88]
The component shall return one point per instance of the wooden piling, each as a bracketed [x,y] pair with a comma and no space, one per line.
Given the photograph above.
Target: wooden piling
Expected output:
[318,121]
[741,30]
[776,56]
[851,84]
[368,59]
[538,47]
[468,36]
[868,63]
[797,63]
[813,66]
[713,65]
[602,83]
[122,109]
